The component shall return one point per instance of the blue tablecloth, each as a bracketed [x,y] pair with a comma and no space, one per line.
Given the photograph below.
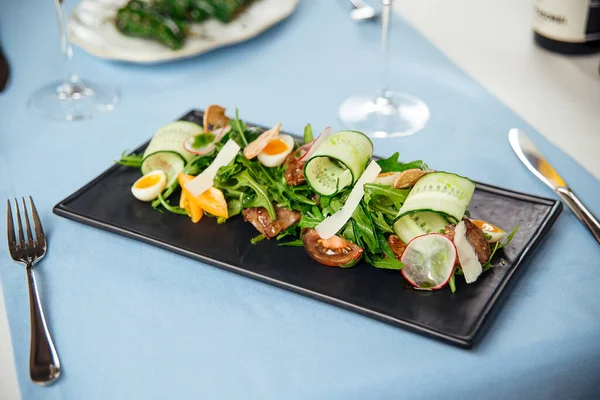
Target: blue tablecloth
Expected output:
[132,321]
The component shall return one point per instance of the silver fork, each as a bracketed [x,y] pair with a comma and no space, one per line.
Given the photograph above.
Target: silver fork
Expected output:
[44,365]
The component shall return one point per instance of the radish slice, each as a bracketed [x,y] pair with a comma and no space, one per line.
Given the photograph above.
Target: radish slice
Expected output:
[218,135]
[316,143]
[204,181]
[255,147]
[429,261]
[466,254]
[302,150]
[332,224]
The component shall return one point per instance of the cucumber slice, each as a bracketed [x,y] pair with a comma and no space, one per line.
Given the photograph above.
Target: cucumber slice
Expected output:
[166,150]
[417,224]
[429,261]
[338,162]
[168,161]
[441,192]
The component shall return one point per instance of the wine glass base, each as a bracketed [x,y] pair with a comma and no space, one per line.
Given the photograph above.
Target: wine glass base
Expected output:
[73,100]
[390,115]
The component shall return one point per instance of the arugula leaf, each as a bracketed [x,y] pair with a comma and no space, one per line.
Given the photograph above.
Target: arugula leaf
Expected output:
[331,205]
[293,243]
[260,198]
[349,234]
[380,223]
[452,283]
[291,231]
[311,218]
[503,243]
[234,207]
[131,160]
[365,229]
[391,164]
[308,134]
[240,128]
[388,263]
[385,246]
[165,195]
[350,264]
[169,207]
[257,238]
[386,195]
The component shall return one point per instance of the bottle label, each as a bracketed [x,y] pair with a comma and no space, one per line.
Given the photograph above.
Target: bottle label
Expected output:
[573,21]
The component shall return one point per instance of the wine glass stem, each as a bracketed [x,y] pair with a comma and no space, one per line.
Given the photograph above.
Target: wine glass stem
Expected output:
[70,76]
[385,64]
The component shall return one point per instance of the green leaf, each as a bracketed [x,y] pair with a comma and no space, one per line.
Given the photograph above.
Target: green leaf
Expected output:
[510,237]
[291,231]
[391,164]
[388,263]
[385,246]
[260,197]
[131,160]
[293,243]
[311,218]
[452,283]
[365,229]
[240,128]
[385,195]
[257,238]
[308,134]
[350,264]
[349,234]
[234,207]
[169,207]
[165,195]
[498,246]
[380,223]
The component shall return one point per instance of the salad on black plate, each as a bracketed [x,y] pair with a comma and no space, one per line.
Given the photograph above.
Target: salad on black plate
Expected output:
[326,194]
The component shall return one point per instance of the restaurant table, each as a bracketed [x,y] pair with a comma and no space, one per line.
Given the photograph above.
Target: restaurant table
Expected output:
[133,321]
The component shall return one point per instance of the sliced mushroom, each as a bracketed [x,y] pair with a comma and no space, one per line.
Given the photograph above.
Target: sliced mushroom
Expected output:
[214,117]
[409,177]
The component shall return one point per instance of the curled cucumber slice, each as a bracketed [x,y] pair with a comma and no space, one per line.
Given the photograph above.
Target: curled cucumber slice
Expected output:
[440,192]
[338,162]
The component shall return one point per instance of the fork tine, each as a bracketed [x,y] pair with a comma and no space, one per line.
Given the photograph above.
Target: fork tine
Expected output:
[20,226]
[30,240]
[39,232]
[12,244]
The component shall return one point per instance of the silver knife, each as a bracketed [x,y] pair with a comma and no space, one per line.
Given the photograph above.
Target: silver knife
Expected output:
[540,167]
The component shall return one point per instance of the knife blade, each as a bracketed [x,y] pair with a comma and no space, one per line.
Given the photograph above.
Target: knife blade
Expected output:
[535,162]
[4,71]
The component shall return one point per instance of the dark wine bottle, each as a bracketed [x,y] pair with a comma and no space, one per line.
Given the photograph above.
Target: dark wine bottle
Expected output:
[567,26]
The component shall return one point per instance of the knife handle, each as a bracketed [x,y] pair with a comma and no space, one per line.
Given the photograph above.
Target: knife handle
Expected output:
[580,210]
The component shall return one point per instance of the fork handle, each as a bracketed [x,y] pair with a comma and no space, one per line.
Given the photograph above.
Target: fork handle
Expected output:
[44,366]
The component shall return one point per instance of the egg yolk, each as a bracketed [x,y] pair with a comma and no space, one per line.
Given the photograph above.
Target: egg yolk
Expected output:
[148,181]
[275,146]
[484,226]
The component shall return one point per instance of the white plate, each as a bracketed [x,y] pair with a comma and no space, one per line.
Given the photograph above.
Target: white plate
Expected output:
[91,27]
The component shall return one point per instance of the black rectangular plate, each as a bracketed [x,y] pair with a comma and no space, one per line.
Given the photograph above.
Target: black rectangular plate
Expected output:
[107,203]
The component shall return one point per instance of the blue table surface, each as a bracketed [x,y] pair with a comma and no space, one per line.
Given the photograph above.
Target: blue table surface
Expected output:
[131,321]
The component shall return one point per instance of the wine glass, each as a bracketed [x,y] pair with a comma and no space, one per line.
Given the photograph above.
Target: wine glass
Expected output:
[71,99]
[388,113]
